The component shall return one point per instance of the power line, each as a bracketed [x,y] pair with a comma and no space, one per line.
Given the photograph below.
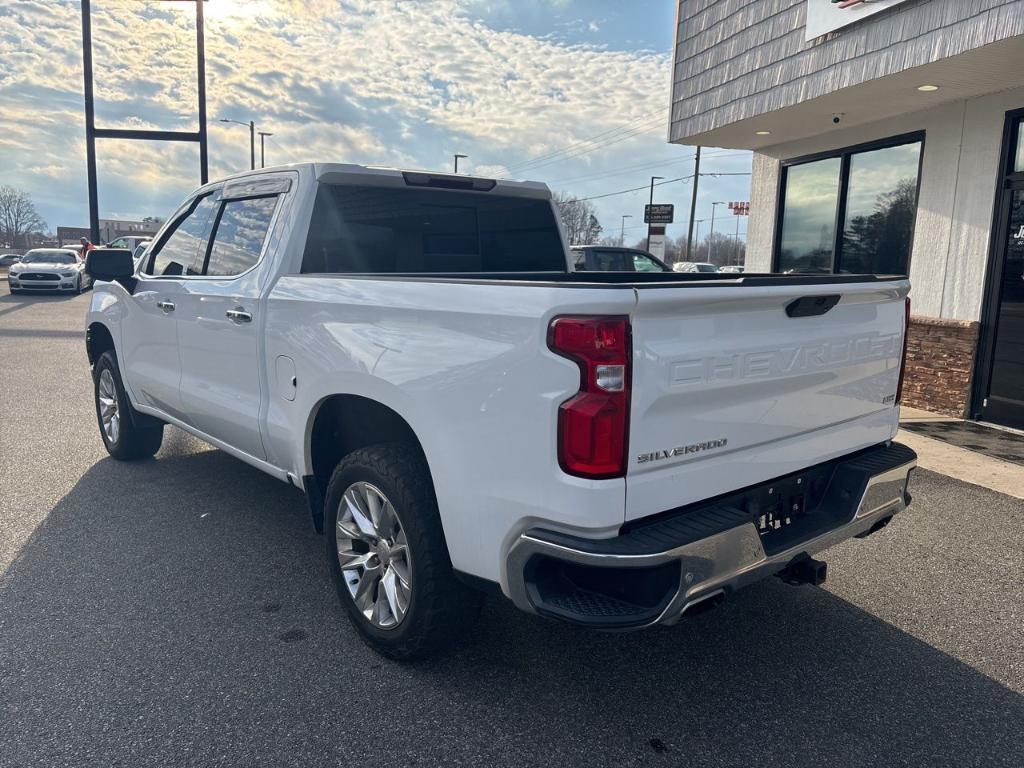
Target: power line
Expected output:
[581,147]
[647,186]
[643,166]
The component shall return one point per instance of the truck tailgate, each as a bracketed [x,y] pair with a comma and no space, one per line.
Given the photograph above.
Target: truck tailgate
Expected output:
[730,390]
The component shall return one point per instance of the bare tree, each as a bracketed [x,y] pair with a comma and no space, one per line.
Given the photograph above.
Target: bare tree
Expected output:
[18,216]
[579,219]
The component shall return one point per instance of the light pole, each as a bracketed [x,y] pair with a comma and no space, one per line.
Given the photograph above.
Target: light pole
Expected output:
[696,239]
[252,139]
[457,157]
[711,234]
[622,233]
[263,135]
[653,179]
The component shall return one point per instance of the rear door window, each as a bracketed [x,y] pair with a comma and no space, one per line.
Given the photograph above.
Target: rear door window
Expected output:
[241,232]
[182,252]
[358,229]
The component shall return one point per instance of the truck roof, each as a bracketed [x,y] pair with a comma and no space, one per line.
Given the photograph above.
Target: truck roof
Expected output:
[370,175]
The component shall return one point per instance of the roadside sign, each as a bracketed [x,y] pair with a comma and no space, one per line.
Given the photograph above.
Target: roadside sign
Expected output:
[659,213]
[656,243]
[740,208]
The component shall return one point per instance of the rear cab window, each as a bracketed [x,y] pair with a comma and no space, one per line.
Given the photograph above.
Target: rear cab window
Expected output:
[373,230]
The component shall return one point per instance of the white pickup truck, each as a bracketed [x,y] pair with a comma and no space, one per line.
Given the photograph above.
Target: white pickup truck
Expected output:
[465,412]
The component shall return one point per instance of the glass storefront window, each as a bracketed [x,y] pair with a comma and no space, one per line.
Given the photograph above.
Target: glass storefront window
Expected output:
[1018,163]
[809,216]
[876,187]
[881,200]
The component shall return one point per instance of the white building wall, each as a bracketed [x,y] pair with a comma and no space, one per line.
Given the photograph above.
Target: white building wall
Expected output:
[958,187]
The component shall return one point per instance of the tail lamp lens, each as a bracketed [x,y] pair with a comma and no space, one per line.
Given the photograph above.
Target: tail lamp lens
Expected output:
[903,359]
[593,425]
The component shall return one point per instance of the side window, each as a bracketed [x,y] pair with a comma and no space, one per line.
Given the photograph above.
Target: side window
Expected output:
[643,263]
[181,252]
[241,230]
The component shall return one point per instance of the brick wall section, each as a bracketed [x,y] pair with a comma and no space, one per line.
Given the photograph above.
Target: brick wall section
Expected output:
[940,365]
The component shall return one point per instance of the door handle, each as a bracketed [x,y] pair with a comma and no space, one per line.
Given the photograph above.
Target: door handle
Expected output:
[238,316]
[166,306]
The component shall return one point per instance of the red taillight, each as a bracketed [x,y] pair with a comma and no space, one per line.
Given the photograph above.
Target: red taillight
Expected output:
[903,359]
[593,425]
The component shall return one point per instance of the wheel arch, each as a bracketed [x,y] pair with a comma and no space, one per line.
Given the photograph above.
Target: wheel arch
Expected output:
[340,424]
[98,339]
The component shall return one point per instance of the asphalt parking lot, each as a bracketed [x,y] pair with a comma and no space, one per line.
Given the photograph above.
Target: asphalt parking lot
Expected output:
[178,612]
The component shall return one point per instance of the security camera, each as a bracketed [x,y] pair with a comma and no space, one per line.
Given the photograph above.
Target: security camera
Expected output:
[837,117]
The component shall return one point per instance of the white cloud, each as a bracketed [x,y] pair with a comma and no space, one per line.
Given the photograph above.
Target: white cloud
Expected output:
[403,83]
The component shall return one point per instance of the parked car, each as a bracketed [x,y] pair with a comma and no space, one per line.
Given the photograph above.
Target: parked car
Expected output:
[130,242]
[8,259]
[604,258]
[49,269]
[694,266]
[466,413]
[732,269]
[140,252]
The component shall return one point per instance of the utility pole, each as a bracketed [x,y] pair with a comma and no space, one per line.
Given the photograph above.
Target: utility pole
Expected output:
[693,204]
[622,234]
[653,179]
[711,234]
[736,252]
[457,156]
[263,135]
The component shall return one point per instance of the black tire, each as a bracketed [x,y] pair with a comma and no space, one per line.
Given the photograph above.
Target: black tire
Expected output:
[137,436]
[440,608]
[78,286]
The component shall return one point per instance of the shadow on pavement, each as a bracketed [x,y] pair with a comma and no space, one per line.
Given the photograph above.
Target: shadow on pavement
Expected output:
[177,612]
[13,302]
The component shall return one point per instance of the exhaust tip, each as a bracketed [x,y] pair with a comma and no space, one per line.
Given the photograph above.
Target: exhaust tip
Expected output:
[704,603]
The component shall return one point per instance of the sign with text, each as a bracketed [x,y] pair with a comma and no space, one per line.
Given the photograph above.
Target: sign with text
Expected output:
[656,245]
[659,213]
[740,208]
[824,16]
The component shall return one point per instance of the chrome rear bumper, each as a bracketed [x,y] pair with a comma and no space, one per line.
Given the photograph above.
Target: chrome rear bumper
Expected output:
[863,494]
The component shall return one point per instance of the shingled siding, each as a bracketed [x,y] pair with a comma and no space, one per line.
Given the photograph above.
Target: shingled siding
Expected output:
[736,59]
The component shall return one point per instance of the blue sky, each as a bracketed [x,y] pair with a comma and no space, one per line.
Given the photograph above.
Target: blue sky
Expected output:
[567,92]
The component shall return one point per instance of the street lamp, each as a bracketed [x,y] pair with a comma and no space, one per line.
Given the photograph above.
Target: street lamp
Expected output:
[622,234]
[653,179]
[696,237]
[252,139]
[711,234]
[263,135]
[457,157]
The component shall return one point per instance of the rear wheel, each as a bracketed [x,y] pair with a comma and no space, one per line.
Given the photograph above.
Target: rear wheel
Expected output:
[388,556]
[127,434]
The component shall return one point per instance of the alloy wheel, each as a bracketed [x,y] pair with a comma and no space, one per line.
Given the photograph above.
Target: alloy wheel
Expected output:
[109,414]
[374,556]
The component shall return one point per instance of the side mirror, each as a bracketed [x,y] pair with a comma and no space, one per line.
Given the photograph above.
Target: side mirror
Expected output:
[111,265]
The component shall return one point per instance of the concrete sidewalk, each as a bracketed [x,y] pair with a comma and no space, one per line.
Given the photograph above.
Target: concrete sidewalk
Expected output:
[959,463]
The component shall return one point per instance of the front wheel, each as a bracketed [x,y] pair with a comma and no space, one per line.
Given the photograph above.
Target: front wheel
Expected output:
[125,432]
[387,553]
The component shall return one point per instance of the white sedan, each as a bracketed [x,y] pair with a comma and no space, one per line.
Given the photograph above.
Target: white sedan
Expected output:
[49,269]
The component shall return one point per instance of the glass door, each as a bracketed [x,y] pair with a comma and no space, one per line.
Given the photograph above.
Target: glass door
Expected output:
[1004,402]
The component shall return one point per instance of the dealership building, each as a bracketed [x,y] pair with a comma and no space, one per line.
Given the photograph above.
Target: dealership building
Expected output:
[888,137]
